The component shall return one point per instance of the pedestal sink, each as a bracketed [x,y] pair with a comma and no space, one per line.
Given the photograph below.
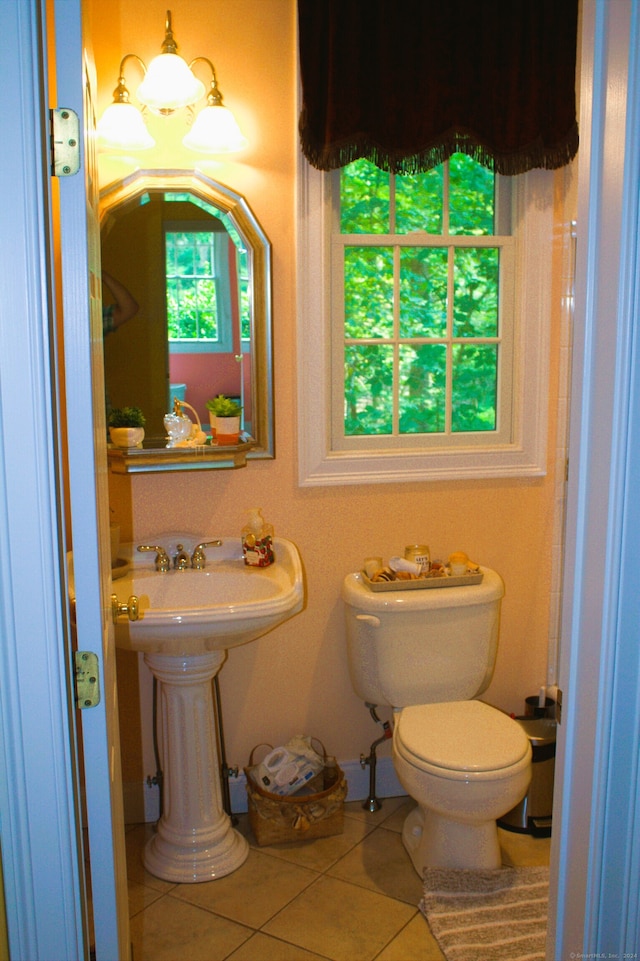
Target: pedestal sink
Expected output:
[186,621]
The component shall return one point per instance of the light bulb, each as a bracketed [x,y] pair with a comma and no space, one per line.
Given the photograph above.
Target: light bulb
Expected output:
[215,130]
[169,85]
[122,127]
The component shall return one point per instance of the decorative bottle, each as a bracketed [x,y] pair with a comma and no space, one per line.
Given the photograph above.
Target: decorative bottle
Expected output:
[257,540]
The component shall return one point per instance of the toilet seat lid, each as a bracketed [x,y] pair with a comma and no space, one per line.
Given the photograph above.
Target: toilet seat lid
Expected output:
[461,736]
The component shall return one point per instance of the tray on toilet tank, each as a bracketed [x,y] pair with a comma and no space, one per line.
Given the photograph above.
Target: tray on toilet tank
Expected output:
[420,583]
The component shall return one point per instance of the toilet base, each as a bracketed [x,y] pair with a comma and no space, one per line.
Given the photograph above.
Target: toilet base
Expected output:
[434,841]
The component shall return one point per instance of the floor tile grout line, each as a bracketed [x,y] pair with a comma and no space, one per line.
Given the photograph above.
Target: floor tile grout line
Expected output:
[397,934]
[161,894]
[368,833]
[288,905]
[314,954]
[284,907]
[318,874]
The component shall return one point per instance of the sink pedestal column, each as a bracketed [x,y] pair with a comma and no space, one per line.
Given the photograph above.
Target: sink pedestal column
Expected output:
[194,840]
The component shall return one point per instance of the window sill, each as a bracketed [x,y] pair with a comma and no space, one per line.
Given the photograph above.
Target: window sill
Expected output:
[328,469]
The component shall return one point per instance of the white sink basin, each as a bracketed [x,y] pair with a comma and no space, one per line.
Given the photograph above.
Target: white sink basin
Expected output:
[226,604]
[186,621]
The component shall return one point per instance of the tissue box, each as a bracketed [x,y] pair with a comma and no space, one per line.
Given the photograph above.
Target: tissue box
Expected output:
[276,818]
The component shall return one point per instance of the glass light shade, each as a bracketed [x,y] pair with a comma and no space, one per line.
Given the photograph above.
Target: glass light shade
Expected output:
[215,130]
[169,85]
[122,126]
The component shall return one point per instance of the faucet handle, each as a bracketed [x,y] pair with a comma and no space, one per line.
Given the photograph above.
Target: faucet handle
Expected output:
[162,558]
[198,558]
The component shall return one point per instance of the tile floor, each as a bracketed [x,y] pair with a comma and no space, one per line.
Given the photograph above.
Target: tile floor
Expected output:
[353,897]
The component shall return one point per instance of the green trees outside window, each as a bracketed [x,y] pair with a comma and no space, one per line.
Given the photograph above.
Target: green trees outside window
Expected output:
[192,311]
[199,277]
[420,287]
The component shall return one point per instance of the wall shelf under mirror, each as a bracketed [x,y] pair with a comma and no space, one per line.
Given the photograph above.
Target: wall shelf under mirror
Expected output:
[153,460]
[203,325]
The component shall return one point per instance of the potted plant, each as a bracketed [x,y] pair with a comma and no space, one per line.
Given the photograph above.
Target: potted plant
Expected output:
[126,426]
[224,415]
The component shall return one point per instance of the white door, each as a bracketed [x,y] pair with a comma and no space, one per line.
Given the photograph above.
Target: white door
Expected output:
[88,489]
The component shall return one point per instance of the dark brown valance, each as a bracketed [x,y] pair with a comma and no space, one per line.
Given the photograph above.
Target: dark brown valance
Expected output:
[407,83]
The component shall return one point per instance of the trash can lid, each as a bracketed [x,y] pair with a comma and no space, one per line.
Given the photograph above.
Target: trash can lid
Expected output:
[539,730]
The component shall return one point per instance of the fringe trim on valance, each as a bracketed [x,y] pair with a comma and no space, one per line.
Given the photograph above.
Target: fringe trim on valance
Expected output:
[529,157]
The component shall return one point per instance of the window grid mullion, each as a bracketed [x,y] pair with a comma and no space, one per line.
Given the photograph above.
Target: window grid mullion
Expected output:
[448,403]
[448,418]
[396,338]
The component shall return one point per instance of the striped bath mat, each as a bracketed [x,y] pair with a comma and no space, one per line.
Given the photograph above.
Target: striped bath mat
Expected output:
[488,915]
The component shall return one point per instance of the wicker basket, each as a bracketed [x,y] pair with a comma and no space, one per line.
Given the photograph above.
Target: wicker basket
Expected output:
[275,819]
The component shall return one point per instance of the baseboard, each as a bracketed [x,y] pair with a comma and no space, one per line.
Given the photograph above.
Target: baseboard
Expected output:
[142,801]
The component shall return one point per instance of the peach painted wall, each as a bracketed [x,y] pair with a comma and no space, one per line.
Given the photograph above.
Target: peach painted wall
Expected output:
[296,679]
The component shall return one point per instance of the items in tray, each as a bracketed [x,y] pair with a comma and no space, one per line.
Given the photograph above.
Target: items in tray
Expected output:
[401,565]
[420,555]
[372,565]
[399,569]
[458,563]
[387,574]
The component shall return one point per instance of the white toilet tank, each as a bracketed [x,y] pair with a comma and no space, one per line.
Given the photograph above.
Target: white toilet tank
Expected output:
[422,646]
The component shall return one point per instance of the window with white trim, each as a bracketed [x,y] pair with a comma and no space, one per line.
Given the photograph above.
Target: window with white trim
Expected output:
[423,324]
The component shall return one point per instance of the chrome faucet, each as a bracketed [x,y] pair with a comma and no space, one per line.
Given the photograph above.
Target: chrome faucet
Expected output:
[162,558]
[198,558]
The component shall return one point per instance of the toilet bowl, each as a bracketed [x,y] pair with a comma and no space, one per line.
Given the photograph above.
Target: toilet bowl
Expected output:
[465,764]
[429,654]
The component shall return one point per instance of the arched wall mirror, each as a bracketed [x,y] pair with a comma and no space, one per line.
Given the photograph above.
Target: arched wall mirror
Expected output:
[194,257]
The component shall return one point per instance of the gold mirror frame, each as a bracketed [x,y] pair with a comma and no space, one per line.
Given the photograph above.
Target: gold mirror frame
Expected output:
[247,225]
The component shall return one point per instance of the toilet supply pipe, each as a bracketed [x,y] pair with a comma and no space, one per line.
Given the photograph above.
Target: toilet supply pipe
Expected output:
[372,803]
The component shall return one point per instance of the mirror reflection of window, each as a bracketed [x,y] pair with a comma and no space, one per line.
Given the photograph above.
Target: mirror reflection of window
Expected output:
[200,312]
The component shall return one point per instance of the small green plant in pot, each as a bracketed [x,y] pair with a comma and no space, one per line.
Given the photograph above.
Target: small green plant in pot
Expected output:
[126,426]
[224,415]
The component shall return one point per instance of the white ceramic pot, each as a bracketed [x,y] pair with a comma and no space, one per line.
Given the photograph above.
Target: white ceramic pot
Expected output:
[126,436]
[227,430]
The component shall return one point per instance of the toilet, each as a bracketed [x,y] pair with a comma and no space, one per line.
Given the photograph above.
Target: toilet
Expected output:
[429,653]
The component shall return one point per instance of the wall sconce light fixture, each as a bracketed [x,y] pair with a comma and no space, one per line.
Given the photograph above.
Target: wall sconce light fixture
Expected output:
[169,84]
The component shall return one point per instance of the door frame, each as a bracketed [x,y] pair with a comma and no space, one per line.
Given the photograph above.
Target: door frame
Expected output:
[39,807]
[86,480]
[595,879]
[48,230]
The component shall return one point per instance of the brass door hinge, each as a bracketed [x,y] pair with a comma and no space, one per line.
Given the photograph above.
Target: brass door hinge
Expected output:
[65,142]
[559,706]
[87,679]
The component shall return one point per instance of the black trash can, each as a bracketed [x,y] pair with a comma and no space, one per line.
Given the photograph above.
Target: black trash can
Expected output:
[533,814]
